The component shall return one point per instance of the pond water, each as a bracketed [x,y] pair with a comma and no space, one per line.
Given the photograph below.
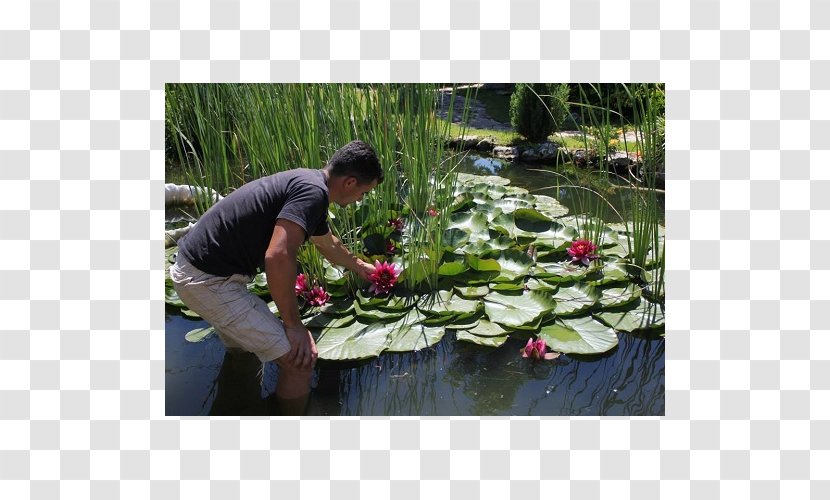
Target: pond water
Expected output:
[578,200]
[449,378]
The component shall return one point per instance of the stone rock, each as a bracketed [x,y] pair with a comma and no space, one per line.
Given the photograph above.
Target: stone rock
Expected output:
[619,160]
[485,144]
[508,153]
[466,141]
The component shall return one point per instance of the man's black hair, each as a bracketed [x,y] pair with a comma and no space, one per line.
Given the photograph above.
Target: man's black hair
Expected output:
[356,159]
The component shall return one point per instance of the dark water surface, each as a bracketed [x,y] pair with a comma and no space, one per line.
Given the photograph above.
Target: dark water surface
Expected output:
[450,378]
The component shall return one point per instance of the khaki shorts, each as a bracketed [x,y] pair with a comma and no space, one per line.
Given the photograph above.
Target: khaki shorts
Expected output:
[242,320]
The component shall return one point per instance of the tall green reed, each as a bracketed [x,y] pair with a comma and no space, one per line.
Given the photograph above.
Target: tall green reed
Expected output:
[228,134]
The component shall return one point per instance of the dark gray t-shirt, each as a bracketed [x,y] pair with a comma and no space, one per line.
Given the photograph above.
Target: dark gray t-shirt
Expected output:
[233,235]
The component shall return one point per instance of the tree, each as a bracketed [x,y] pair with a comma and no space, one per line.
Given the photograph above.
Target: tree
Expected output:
[538,109]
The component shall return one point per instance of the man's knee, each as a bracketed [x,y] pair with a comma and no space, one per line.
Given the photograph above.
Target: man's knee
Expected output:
[293,371]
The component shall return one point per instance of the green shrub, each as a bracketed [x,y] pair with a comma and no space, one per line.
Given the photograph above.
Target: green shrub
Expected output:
[538,109]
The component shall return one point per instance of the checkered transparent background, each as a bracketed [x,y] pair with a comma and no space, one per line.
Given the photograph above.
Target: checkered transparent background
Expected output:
[81,214]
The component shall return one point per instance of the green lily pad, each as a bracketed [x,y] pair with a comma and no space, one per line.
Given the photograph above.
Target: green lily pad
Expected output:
[579,336]
[376,314]
[619,295]
[472,292]
[487,328]
[452,268]
[488,341]
[478,264]
[573,300]
[199,334]
[639,315]
[410,333]
[324,321]
[445,303]
[358,340]
[517,311]
[559,272]
[514,264]
[455,238]
[474,224]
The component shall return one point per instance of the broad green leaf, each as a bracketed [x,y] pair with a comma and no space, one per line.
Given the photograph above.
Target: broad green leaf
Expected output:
[199,334]
[559,272]
[610,272]
[517,311]
[190,313]
[541,286]
[550,206]
[473,223]
[489,341]
[452,268]
[324,321]
[472,292]
[172,298]
[619,295]
[445,303]
[510,205]
[367,300]
[504,224]
[639,315]
[479,264]
[335,275]
[486,328]
[510,286]
[487,180]
[338,307]
[481,247]
[376,314]
[439,320]
[579,336]
[356,341]
[410,334]
[530,220]
[573,300]
[455,238]
[514,264]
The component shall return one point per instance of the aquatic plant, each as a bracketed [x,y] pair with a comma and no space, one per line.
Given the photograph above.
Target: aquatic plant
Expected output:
[582,251]
[316,296]
[537,350]
[383,278]
[473,256]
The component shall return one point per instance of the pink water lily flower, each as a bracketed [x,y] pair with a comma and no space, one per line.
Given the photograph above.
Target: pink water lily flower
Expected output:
[300,286]
[536,349]
[397,223]
[433,212]
[384,277]
[582,251]
[390,247]
[317,296]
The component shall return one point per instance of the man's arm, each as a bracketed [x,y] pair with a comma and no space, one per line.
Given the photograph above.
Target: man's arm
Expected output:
[281,273]
[335,252]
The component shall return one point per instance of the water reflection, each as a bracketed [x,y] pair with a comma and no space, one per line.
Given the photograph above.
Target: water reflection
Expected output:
[450,378]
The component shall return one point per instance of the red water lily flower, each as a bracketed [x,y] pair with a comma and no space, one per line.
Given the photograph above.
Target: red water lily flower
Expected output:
[384,277]
[582,251]
[433,212]
[300,286]
[397,223]
[390,247]
[536,349]
[317,296]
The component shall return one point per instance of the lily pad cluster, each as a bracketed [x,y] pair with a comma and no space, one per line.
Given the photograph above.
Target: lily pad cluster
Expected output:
[505,272]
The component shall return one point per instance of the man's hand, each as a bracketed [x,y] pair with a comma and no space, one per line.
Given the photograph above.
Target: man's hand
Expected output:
[364,269]
[303,353]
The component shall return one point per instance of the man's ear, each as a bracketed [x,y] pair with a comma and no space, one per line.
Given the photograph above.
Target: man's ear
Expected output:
[350,182]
